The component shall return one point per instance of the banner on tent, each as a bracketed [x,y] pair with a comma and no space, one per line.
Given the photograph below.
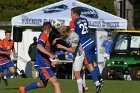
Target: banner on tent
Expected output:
[104,24]
[39,21]
[93,24]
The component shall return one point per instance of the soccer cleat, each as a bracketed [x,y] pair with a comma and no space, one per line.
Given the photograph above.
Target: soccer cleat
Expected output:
[101,80]
[5,80]
[21,89]
[85,89]
[98,89]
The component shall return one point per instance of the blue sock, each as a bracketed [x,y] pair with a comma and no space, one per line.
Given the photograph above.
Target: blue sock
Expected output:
[31,86]
[96,68]
[8,74]
[94,76]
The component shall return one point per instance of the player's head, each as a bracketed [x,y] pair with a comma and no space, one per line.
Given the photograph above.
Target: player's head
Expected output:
[75,12]
[109,36]
[47,27]
[64,31]
[8,35]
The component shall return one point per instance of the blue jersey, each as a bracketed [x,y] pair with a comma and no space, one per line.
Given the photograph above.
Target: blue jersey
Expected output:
[81,28]
[107,45]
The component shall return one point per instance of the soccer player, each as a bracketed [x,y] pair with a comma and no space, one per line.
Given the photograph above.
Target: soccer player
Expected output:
[80,26]
[6,48]
[42,63]
[72,40]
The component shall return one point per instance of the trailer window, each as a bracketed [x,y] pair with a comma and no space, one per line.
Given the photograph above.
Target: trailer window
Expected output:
[121,43]
[135,42]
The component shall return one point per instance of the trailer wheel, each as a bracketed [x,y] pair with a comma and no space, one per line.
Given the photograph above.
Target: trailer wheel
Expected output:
[108,73]
[135,73]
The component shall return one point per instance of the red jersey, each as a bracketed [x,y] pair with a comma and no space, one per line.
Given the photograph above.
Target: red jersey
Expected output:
[6,46]
[71,24]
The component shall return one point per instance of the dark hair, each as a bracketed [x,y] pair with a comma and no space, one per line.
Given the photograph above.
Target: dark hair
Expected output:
[8,31]
[76,10]
[35,38]
[48,24]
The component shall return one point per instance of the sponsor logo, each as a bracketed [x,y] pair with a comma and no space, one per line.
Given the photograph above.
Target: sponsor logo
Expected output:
[55,9]
[88,12]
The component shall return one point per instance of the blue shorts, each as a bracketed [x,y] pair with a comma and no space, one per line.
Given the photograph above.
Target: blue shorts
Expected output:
[7,65]
[45,73]
[90,53]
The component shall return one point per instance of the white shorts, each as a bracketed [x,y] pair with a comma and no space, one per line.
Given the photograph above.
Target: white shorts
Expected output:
[78,62]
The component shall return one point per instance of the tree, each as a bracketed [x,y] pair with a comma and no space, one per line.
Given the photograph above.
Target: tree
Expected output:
[11,8]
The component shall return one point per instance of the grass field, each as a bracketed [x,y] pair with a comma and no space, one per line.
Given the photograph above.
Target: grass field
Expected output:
[69,86]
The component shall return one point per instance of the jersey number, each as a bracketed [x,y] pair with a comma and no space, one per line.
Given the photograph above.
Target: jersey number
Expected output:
[84,28]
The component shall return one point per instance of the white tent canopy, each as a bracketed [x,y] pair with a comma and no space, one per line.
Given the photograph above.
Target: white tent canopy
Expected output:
[61,11]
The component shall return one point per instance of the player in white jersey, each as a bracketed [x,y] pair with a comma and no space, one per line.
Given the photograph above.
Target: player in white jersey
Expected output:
[72,39]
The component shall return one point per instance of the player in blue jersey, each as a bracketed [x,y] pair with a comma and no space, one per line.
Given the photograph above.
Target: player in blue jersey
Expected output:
[42,63]
[80,26]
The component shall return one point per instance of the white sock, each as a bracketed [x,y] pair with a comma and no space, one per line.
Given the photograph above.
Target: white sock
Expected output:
[80,87]
[84,81]
[97,83]
[5,77]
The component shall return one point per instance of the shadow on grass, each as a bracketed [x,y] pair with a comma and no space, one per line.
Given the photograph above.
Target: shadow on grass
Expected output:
[10,88]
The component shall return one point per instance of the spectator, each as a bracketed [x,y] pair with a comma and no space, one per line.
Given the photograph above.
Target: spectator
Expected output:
[32,49]
[106,45]
[32,54]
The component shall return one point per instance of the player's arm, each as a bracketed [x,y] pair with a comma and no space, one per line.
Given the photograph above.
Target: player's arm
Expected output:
[54,41]
[41,43]
[70,49]
[43,50]
[4,53]
[73,48]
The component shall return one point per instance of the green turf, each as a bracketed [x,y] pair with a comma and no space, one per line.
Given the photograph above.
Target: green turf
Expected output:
[69,86]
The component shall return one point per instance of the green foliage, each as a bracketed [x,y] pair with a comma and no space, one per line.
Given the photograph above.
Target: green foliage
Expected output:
[11,8]
[105,5]
[136,6]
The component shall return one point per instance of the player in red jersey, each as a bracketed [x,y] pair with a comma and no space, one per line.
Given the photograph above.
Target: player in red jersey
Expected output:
[6,48]
[42,63]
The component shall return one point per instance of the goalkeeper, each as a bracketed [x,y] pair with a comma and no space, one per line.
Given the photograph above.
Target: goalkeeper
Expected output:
[72,39]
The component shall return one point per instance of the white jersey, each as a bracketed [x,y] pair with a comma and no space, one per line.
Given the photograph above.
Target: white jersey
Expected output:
[73,40]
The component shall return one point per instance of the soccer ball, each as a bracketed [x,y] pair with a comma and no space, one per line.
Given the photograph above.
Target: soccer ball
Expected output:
[56,23]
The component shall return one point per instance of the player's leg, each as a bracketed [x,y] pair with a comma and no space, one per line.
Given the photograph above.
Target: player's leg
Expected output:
[77,66]
[54,81]
[85,88]
[98,72]
[90,67]
[1,71]
[39,84]
[11,68]
[79,81]
[33,85]
[11,71]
